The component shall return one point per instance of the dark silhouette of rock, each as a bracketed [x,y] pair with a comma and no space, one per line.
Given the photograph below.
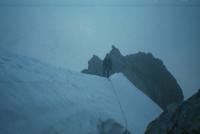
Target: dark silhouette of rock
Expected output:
[94,66]
[146,72]
[183,118]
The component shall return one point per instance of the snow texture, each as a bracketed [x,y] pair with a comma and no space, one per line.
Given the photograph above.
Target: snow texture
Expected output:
[37,98]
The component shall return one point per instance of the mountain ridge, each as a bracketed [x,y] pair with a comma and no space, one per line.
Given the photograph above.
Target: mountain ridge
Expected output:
[146,72]
[37,98]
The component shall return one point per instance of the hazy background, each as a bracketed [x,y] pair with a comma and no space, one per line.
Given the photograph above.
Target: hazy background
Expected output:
[67,33]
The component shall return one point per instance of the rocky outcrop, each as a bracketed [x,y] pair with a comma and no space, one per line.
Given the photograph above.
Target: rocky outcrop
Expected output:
[146,72]
[181,118]
[94,66]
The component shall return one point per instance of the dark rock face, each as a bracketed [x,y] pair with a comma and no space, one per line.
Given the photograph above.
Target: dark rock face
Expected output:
[110,126]
[146,72]
[183,118]
[94,66]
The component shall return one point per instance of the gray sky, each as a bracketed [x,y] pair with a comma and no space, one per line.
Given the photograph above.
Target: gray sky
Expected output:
[67,36]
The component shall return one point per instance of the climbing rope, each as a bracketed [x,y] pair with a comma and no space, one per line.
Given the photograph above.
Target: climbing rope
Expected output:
[121,108]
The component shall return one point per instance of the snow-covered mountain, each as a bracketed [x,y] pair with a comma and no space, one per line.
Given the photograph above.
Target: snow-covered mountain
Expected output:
[37,98]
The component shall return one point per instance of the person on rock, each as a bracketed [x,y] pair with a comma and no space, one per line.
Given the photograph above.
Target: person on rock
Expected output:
[107,66]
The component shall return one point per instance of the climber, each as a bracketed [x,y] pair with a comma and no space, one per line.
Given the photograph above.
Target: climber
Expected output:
[107,66]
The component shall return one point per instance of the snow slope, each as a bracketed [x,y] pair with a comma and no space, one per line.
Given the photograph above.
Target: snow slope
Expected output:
[36,98]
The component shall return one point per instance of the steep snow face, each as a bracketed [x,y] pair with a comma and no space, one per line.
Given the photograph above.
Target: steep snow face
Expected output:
[138,108]
[36,98]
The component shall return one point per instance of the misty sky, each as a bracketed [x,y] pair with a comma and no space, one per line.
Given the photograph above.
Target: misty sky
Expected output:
[67,33]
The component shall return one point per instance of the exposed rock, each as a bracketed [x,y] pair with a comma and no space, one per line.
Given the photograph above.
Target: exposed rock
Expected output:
[110,126]
[94,66]
[183,119]
[146,72]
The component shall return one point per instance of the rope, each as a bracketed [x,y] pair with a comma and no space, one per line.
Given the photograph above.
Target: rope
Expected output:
[121,108]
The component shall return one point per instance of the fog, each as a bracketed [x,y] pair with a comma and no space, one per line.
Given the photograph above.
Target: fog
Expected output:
[67,33]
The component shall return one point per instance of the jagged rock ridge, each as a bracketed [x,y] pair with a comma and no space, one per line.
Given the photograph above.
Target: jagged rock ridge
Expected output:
[183,118]
[146,72]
